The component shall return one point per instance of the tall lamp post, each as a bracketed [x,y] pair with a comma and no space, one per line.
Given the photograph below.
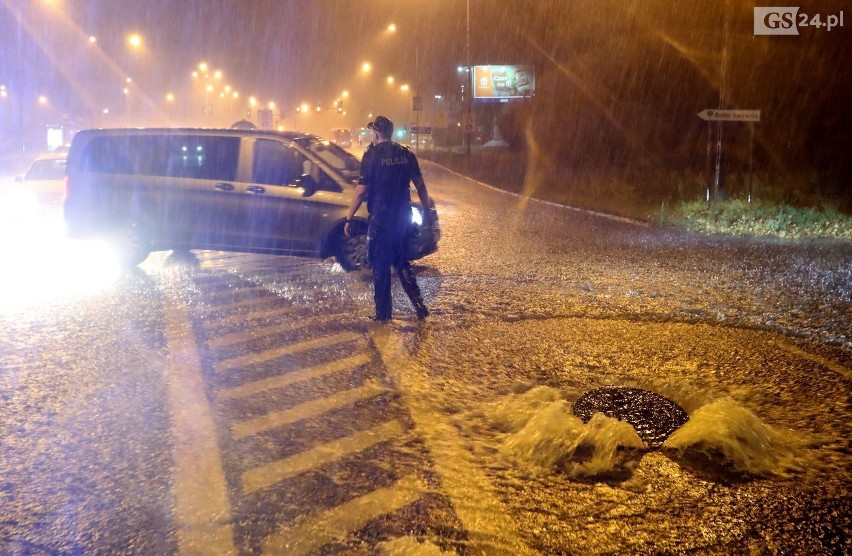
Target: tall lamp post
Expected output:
[208,88]
[469,77]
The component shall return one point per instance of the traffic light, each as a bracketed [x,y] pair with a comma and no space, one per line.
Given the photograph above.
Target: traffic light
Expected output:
[340,107]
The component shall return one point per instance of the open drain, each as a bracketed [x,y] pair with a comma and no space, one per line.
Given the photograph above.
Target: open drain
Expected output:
[654,417]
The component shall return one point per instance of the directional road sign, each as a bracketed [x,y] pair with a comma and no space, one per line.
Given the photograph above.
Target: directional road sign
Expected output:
[711,115]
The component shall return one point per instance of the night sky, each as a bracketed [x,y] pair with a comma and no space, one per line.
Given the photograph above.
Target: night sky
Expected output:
[616,79]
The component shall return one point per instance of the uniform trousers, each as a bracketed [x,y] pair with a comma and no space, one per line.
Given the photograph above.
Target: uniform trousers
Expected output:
[388,246]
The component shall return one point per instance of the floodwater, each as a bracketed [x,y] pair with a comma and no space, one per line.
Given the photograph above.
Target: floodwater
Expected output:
[536,305]
[532,307]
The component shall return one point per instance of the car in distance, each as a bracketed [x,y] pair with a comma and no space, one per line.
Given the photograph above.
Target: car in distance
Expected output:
[256,191]
[45,179]
[342,136]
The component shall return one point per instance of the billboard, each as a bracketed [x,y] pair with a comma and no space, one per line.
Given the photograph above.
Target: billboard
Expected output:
[503,83]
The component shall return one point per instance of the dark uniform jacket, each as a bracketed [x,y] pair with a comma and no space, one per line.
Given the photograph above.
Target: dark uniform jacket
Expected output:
[387,170]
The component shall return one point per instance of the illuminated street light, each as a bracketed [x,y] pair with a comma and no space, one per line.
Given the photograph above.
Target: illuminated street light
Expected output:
[170,97]
[252,102]
[208,88]
[134,40]
[392,28]
[390,80]
[42,100]
[304,107]
[128,80]
[345,94]
[93,39]
[271,105]
[366,67]
[404,87]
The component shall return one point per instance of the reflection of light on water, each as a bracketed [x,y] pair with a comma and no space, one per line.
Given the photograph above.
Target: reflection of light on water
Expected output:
[47,268]
[410,546]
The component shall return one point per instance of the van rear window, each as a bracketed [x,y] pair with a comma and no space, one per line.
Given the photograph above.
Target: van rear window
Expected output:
[179,156]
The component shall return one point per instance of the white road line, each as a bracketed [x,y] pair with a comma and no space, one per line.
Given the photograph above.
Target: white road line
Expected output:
[307,410]
[551,203]
[252,358]
[242,304]
[831,365]
[489,526]
[240,318]
[260,332]
[277,471]
[337,523]
[257,386]
[202,508]
[254,288]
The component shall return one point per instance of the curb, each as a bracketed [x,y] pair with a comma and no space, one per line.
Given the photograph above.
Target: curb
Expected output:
[550,203]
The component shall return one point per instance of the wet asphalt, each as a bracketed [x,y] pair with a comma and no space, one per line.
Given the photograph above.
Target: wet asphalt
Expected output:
[522,294]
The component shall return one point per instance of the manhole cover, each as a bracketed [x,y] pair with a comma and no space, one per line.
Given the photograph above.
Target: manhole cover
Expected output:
[653,416]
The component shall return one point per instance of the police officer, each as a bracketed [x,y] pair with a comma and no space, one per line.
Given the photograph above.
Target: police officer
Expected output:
[387,168]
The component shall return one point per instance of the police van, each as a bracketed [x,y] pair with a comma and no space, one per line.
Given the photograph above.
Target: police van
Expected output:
[253,191]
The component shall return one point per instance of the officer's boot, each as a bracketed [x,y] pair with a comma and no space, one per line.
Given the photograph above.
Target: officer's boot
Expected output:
[409,284]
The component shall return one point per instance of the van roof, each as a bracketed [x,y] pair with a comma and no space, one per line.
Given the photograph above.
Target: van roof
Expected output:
[291,135]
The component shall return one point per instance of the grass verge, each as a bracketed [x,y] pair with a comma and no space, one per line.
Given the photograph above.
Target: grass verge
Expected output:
[667,198]
[739,217]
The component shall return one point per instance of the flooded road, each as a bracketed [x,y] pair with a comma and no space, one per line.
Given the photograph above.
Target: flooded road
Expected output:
[261,382]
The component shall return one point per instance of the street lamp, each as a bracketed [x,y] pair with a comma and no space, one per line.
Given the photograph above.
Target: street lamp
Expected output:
[208,88]
[134,40]
[170,99]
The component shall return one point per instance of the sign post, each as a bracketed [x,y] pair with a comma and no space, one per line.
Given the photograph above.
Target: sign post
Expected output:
[710,115]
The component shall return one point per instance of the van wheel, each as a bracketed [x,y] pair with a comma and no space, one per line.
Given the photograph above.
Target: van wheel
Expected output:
[351,251]
[132,246]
